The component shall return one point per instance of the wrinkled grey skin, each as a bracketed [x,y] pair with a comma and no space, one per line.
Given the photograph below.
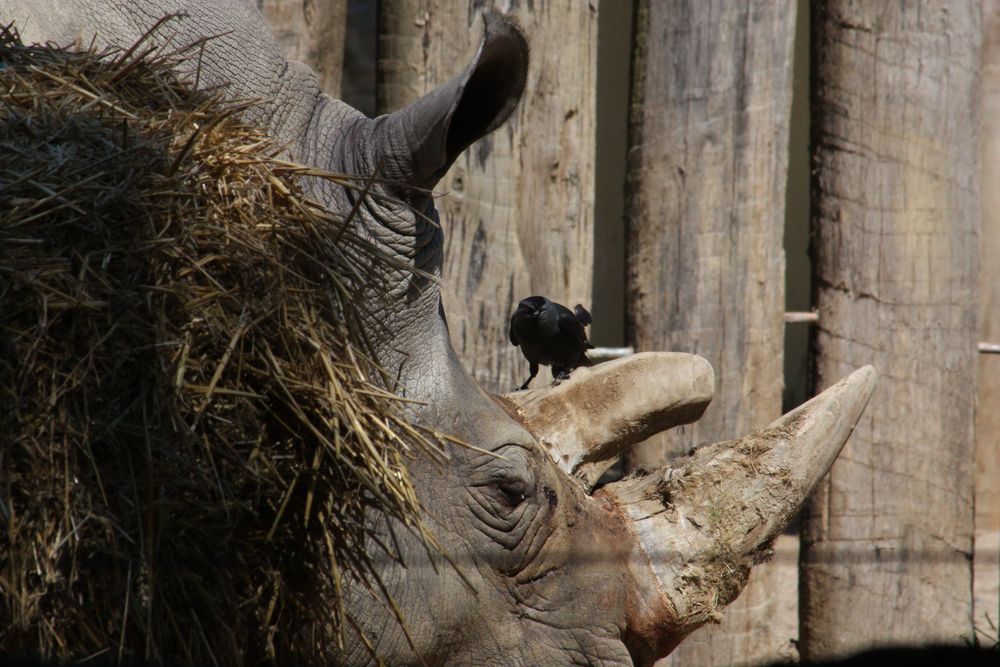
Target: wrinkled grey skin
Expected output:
[555,576]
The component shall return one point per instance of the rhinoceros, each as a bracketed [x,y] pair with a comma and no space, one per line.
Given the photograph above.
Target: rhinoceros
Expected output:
[550,567]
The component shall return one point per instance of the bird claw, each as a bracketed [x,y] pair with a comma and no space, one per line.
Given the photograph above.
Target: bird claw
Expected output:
[559,377]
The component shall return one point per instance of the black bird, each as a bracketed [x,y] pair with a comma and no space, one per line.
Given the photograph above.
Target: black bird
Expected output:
[550,334]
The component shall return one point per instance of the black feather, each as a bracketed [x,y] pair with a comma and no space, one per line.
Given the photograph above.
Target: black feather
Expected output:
[550,334]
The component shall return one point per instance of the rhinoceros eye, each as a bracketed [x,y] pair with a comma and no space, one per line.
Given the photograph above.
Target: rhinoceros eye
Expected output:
[502,485]
[509,506]
[511,491]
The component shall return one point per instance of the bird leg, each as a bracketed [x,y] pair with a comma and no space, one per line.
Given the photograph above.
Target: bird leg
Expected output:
[533,367]
[559,373]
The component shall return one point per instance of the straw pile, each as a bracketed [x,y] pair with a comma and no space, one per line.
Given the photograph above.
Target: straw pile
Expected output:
[189,438]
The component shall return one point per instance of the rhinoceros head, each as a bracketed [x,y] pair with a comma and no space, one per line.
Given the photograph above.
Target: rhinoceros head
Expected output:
[539,564]
[545,566]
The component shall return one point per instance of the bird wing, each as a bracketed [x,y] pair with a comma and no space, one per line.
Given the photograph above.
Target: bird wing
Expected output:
[569,325]
[583,315]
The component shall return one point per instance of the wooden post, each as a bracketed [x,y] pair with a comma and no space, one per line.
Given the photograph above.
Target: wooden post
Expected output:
[887,543]
[312,32]
[518,206]
[986,564]
[706,190]
[708,155]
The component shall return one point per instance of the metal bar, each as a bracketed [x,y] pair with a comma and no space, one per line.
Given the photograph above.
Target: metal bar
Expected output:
[808,316]
[609,353]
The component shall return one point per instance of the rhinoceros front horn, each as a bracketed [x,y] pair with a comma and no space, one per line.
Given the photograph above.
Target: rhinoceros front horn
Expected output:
[702,522]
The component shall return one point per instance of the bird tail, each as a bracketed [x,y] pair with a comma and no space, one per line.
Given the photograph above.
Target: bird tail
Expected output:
[583,315]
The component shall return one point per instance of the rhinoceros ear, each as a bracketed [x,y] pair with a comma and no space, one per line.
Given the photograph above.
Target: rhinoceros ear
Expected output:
[421,140]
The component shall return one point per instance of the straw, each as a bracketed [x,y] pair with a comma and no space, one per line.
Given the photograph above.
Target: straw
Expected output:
[194,435]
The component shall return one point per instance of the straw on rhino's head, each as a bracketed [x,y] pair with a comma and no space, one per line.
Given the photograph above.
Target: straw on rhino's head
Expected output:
[545,567]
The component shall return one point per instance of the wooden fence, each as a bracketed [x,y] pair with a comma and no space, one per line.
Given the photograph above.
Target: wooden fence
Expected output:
[901,543]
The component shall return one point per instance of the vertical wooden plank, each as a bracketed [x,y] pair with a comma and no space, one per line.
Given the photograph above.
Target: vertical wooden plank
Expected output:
[518,208]
[707,171]
[705,206]
[986,563]
[887,543]
[312,32]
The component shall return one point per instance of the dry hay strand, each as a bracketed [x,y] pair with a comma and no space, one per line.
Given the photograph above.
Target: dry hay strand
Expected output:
[191,435]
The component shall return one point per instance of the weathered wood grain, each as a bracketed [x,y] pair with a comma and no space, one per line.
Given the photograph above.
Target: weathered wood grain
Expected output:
[707,168]
[518,208]
[986,568]
[887,543]
[312,32]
